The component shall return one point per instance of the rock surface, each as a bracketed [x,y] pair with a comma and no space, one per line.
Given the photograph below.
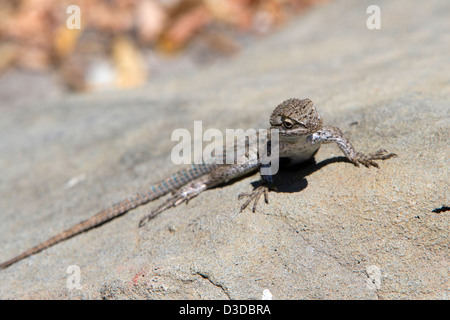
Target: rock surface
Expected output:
[333,231]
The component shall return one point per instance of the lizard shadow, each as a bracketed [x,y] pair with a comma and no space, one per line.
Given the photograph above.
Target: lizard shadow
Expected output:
[290,179]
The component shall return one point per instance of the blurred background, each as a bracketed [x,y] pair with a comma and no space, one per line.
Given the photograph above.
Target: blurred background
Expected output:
[123,43]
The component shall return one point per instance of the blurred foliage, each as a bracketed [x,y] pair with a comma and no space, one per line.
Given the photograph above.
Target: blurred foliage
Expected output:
[34,35]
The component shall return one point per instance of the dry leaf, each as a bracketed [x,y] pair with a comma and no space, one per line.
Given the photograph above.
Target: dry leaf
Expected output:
[235,12]
[184,28]
[151,19]
[8,55]
[65,41]
[130,65]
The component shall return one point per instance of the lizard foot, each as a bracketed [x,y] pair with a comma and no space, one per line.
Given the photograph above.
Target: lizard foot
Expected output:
[183,195]
[367,159]
[173,201]
[255,195]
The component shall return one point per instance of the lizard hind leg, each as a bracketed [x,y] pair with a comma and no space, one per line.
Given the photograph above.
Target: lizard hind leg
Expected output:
[184,194]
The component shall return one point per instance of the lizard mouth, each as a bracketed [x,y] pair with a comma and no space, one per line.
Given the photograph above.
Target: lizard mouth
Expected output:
[296,131]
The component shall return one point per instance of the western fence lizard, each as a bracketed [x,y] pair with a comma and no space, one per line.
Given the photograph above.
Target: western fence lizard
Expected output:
[301,132]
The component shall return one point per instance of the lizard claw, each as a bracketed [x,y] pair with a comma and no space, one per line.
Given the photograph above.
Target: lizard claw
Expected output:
[255,195]
[174,201]
[367,159]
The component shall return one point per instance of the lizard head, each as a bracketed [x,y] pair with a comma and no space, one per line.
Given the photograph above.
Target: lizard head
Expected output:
[296,117]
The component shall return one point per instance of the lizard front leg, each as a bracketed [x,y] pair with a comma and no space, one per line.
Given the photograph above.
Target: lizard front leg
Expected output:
[255,195]
[332,134]
[266,173]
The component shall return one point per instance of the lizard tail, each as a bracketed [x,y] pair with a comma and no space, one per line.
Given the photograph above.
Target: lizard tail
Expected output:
[90,223]
[172,183]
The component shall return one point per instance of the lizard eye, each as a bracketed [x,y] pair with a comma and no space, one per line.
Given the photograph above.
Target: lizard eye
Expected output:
[287,123]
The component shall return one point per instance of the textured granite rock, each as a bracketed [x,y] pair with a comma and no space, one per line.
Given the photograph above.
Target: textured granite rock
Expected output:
[333,232]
